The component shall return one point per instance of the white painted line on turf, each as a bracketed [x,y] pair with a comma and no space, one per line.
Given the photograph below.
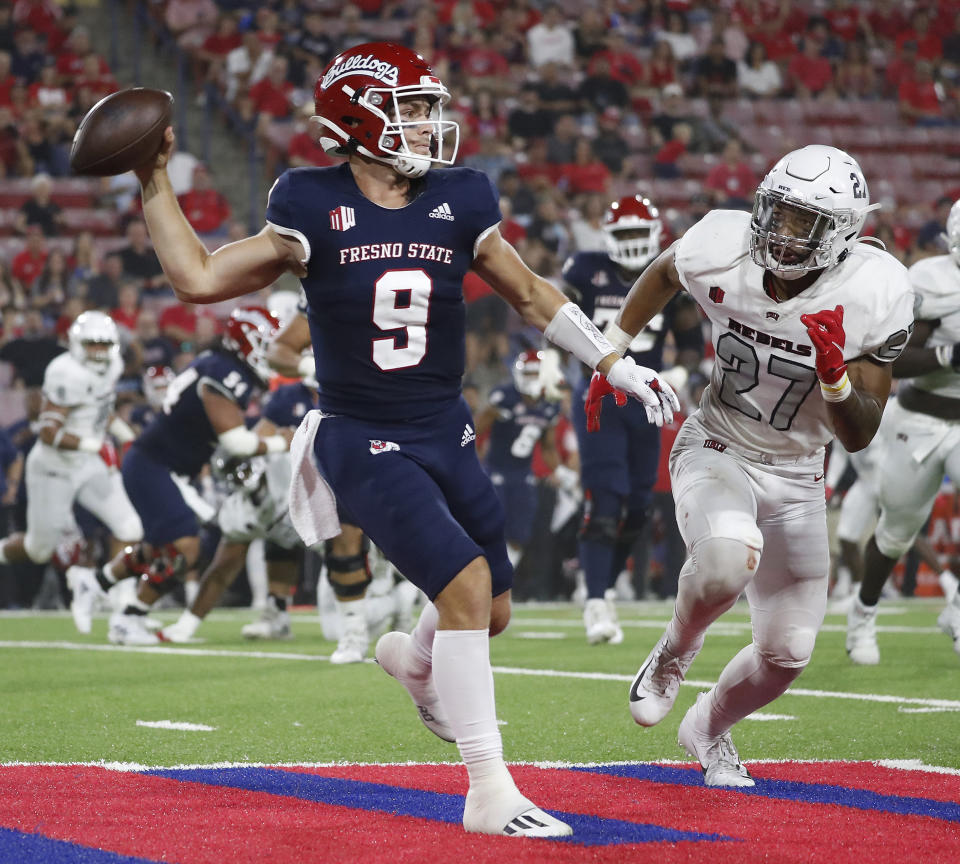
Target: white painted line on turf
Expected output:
[721,628]
[547,634]
[893,764]
[949,704]
[903,710]
[176,726]
[769,717]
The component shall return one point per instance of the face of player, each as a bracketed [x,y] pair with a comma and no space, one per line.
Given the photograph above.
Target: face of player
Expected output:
[412,111]
[98,353]
[791,221]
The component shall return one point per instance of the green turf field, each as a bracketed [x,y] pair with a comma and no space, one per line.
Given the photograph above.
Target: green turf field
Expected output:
[65,697]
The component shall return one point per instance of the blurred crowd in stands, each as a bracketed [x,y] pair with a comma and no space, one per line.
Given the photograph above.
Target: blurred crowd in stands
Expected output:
[566,105]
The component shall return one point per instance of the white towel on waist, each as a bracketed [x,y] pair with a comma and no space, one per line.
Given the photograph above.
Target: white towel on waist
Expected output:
[313,508]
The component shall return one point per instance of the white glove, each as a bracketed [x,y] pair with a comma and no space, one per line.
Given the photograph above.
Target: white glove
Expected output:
[566,479]
[644,384]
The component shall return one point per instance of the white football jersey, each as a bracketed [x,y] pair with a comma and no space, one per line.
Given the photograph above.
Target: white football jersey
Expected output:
[936,282]
[240,519]
[763,394]
[89,395]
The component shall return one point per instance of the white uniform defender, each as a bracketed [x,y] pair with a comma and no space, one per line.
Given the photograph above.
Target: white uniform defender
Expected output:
[81,393]
[747,467]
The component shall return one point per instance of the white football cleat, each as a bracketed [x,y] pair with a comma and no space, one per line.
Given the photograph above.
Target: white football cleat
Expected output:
[599,624]
[862,645]
[354,639]
[949,622]
[655,687]
[509,815]
[82,581]
[272,624]
[130,630]
[182,630]
[718,758]
[391,652]
[610,599]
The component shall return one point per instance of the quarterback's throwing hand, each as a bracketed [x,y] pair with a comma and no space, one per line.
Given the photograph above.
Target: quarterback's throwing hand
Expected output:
[825,330]
[644,384]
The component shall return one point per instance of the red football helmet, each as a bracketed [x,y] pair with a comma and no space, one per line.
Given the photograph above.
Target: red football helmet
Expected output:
[248,332]
[156,379]
[633,228]
[357,105]
[537,374]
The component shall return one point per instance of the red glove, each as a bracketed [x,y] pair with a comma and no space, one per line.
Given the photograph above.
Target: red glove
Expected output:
[600,387]
[108,453]
[825,330]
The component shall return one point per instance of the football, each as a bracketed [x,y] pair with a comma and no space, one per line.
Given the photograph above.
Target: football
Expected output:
[121,132]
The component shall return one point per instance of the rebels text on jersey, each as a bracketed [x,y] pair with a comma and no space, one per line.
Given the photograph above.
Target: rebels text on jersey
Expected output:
[763,395]
[384,286]
[600,294]
[181,437]
[89,395]
[519,426]
[936,282]
[287,405]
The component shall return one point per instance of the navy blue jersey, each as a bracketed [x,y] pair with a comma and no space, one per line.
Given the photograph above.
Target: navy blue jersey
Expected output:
[286,405]
[384,287]
[143,414]
[600,293]
[182,437]
[520,424]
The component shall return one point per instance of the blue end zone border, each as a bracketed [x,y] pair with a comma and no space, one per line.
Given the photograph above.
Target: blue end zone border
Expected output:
[418,803]
[792,790]
[17,847]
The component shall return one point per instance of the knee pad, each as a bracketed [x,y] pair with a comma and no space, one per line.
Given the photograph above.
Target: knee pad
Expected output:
[275,552]
[37,551]
[790,649]
[602,516]
[724,567]
[632,527]
[130,530]
[892,540]
[338,564]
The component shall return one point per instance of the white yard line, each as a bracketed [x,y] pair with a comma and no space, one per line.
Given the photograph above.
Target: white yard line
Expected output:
[170,651]
[176,726]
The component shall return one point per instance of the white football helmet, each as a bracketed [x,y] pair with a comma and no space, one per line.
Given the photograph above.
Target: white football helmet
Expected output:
[952,235]
[94,340]
[808,211]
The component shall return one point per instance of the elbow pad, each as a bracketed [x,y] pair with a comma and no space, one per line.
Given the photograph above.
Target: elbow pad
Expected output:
[239,441]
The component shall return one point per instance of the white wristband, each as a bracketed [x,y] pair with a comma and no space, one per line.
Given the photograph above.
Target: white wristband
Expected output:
[836,392]
[275,443]
[121,430]
[573,331]
[89,444]
[307,366]
[944,355]
[618,338]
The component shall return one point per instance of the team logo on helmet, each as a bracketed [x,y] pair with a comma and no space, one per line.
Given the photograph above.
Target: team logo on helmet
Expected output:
[368,65]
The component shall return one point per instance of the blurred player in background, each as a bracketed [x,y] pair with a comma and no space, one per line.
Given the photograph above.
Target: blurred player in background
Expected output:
[73,460]
[203,409]
[155,381]
[519,415]
[794,302]
[926,445]
[381,246]
[618,462]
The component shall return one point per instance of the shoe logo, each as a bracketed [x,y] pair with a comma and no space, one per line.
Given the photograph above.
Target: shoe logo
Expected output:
[817,478]
[342,218]
[468,435]
[634,696]
[425,713]
[377,446]
[442,211]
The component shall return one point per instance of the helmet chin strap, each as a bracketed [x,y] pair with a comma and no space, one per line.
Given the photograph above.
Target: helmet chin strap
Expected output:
[412,166]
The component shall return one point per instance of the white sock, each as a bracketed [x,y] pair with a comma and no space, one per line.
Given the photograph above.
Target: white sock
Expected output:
[464,682]
[748,682]
[3,554]
[421,639]
[948,582]
[191,589]
[348,610]
[107,572]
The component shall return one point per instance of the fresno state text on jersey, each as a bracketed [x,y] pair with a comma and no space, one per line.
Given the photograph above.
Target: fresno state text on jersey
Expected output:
[384,287]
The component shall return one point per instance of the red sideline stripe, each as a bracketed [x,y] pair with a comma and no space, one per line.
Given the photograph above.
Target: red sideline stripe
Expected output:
[193,823]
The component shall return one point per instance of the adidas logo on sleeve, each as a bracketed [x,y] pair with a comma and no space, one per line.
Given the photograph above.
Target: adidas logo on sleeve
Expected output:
[441,211]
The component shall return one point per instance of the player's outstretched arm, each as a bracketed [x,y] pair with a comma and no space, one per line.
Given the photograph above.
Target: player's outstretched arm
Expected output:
[196,275]
[565,324]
